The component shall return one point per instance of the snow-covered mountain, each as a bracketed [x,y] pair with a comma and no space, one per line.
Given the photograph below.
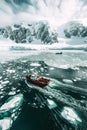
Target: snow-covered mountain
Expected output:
[36,32]
[58,13]
[73,29]
[42,33]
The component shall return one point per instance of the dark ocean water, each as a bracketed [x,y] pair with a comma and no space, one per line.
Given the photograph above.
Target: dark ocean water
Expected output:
[43,109]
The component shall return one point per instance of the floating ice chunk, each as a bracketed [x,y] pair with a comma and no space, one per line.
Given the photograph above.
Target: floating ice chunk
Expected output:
[1,92]
[24,61]
[11,105]
[64,66]
[12,93]
[42,69]
[51,68]
[78,79]
[70,115]
[12,102]
[75,68]
[5,123]
[68,81]
[35,64]
[24,71]
[51,104]
[47,74]
[5,82]
[10,71]
[0,77]
[2,96]
[1,86]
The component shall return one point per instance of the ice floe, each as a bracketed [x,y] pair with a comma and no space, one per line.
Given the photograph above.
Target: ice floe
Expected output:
[70,115]
[12,104]
[5,123]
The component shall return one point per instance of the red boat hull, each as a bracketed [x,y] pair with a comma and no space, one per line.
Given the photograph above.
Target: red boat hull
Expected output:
[42,82]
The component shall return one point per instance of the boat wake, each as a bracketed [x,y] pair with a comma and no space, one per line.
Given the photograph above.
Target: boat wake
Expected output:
[61,96]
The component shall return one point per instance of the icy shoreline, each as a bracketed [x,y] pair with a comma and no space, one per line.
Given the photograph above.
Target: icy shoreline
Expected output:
[68,58]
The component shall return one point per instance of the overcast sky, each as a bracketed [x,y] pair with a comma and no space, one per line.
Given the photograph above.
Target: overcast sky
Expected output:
[55,11]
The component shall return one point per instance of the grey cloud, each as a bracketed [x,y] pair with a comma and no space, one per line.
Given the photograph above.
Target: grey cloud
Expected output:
[18,2]
[18,5]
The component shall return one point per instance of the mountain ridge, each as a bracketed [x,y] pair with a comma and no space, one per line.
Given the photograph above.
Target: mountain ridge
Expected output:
[29,33]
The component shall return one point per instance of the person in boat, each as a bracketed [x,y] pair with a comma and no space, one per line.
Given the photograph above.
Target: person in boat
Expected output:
[35,76]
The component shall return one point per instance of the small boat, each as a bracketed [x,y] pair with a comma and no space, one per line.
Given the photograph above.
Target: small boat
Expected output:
[40,81]
[58,52]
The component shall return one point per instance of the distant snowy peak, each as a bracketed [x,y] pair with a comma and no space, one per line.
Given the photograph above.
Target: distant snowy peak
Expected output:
[36,32]
[73,29]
